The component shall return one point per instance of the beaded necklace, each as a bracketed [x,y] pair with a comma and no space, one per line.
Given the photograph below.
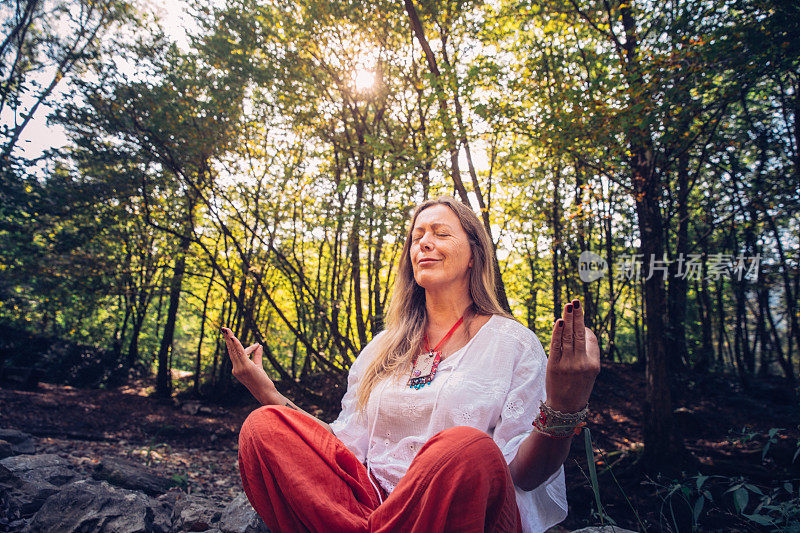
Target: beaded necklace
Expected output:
[428,362]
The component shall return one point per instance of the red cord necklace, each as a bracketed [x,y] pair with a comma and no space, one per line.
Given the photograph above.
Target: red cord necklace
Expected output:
[428,362]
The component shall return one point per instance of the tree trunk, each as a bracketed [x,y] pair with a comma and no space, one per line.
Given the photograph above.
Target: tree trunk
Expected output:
[555,222]
[612,313]
[163,375]
[355,257]
[589,309]
[163,378]
[678,285]
[703,360]
[660,441]
[199,355]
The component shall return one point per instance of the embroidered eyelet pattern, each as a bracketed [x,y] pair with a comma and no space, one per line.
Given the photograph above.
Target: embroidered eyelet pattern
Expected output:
[464,414]
[513,409]
[411,410]
[411,450]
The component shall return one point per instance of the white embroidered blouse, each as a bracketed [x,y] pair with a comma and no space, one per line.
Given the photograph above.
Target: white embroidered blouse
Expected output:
[494,383]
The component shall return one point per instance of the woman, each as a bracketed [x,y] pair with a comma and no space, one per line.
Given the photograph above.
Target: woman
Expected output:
[453,420]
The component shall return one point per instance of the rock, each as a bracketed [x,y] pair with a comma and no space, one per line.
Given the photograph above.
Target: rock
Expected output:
[97,506]
[131,476]
[6,450]
[224,432]
[240,517]
[172,496]
[20,442]
[194,513]
[191,408]
[42,468]
[13,525]
[603,529]
[20,498]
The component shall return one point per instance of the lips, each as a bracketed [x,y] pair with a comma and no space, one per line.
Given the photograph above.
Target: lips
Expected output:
[425,261]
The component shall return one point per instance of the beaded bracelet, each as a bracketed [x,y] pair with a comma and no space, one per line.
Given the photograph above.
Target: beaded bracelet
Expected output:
[558,425]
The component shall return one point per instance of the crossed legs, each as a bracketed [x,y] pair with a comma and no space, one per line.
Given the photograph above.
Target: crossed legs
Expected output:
[299,477]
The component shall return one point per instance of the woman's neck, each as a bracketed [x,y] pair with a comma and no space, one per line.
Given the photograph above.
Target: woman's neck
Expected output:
[445,308]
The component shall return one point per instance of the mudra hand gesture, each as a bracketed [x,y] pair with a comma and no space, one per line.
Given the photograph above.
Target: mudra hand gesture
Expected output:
[573,362]
[249,372]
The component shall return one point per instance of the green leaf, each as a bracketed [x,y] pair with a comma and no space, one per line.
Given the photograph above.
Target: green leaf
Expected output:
[766,449]
[587,438]
[700,480]
[740,499]
[698,508]
[734,487]
[788,487]
[758,519]
[753,488]
[773,432]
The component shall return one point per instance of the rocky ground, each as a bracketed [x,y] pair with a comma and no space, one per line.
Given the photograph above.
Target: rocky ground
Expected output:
[120,460]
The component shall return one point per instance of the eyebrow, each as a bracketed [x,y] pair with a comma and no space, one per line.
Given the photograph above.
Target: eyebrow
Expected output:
[434,225]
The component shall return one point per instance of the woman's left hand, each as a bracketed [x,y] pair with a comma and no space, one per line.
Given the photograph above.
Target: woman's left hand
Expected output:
[573,362]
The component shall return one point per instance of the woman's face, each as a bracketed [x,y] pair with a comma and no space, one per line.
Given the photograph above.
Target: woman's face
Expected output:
[440,251]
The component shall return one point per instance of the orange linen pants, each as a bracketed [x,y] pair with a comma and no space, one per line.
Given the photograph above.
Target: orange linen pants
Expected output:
[300,477]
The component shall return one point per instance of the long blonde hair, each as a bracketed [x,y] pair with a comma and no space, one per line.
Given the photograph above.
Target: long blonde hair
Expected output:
[406,317]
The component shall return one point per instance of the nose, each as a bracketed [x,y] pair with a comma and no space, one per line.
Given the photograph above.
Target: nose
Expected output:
[425,242]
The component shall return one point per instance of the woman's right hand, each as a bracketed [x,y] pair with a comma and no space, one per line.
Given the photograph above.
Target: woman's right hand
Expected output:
[250,372]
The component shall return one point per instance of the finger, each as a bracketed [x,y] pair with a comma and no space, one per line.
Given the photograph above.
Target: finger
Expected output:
[578,329]
[567,337]
[236,344]
[257,356]
[233,352]
[226,338]
[592,347]
[555,341]
[250,349]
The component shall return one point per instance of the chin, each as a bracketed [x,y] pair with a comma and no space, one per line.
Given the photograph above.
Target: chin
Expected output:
[429,282]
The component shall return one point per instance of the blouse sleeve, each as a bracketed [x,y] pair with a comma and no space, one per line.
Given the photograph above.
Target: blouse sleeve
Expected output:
[351,426]
[547,503]
[522,402]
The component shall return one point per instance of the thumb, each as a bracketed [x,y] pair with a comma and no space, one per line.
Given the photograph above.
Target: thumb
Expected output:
[257,355]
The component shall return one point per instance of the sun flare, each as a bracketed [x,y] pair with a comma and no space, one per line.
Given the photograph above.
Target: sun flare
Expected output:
[363,80]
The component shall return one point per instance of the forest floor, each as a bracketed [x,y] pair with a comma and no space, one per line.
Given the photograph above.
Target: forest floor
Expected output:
[725,429]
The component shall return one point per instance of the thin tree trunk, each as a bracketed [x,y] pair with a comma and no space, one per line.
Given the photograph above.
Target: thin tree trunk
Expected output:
[355,260]
[163,378]
[555,222]
[163,375]
[199,355]
[703,361]
[612,313]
